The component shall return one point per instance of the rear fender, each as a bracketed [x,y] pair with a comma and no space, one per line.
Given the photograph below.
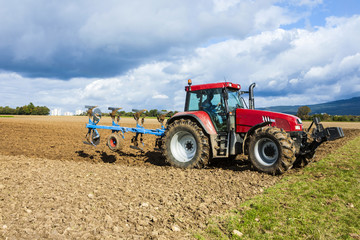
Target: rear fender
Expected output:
[203,119]
[200,117]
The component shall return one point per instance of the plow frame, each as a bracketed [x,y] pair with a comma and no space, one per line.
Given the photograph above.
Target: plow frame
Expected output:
[93,136]
[117,128]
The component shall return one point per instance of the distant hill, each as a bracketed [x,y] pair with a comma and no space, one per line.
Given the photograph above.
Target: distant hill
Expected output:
[341,107]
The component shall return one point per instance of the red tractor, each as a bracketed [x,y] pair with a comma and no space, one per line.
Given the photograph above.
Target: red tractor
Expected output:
[217,123]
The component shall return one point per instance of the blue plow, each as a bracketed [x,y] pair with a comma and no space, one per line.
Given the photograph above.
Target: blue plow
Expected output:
[114,140]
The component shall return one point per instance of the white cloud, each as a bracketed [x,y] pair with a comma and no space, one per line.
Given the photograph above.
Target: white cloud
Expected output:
[224,5]
[309,3]
[272,18]
[160,96]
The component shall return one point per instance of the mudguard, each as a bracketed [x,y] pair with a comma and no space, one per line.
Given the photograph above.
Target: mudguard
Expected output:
[200,116]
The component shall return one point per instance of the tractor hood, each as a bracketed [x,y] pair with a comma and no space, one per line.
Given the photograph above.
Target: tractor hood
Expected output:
[247,118]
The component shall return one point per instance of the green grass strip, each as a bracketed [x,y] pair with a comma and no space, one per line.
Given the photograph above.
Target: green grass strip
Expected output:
[6,116]
[320,202]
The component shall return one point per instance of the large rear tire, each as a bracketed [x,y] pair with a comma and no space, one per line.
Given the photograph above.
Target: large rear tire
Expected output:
[186,145]
[271,150]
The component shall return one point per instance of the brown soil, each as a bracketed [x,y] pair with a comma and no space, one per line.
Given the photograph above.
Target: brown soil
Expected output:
[54,186]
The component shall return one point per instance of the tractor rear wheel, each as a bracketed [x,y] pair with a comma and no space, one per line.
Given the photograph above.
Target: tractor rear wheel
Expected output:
[186,145]
[114,142]
[271,150]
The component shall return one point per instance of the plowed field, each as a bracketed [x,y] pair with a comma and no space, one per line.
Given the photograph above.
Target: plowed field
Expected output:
[54,186]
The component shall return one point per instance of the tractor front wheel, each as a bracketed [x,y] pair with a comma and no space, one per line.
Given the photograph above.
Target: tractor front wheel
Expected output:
[271,150]
[186,145]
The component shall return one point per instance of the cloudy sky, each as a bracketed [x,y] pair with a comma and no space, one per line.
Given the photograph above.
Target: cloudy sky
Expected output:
[139,54]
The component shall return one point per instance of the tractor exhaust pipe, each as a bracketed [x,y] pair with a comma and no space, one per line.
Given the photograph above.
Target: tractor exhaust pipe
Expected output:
[251,96]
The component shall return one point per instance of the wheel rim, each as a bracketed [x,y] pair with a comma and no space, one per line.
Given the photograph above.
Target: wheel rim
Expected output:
[183,146]
[113,142]
[266,151]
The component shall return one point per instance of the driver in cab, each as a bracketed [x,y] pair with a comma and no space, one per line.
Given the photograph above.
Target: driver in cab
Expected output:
[208,105]
[213,107]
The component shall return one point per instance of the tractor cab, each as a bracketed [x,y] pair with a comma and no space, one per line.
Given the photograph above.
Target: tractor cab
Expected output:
[218,100]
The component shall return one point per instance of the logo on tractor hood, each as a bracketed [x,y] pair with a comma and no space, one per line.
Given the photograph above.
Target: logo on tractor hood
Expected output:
[267,119]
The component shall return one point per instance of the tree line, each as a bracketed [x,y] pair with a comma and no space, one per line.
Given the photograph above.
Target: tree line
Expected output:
[150,113]
[29,109]
[304,113]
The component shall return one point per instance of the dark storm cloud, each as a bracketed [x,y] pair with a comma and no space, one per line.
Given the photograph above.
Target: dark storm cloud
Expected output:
[64,39]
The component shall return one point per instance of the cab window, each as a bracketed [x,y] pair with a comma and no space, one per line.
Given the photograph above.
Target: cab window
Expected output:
[234,101]
[194,101]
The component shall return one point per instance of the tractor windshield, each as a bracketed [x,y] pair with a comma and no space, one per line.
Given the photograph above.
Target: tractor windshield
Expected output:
[234,101]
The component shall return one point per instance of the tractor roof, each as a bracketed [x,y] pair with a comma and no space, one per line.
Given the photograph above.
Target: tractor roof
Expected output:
[213,85]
